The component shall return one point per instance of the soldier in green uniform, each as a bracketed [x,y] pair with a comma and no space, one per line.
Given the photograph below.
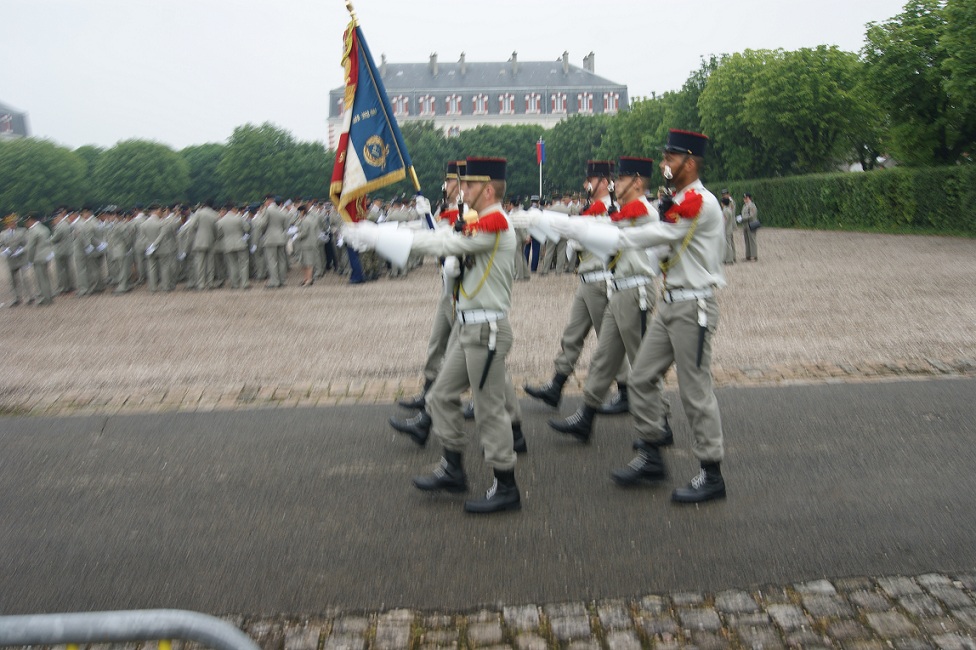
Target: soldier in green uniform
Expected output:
[13,245]
[589,301]
[482,336]
[686,319]
[39,255]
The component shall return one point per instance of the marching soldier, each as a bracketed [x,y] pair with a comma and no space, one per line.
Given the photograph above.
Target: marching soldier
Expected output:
[481,337]
[684,324]
[589,301]
[631,302]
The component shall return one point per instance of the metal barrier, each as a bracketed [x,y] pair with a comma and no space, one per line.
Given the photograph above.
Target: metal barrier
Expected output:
[109,627]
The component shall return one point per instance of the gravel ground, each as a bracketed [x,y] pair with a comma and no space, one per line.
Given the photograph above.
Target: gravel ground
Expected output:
[813,298]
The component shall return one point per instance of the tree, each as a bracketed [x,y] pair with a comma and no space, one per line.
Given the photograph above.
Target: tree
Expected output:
[722,106]
[38,175]
[912,65]
[804,109]
[139,171]
[89,153]
[256,162]
[202,160]
[309,170]
[569,144]
[430,152]
[514,143]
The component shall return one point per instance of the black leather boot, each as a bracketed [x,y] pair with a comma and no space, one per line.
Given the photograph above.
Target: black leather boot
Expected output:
[647,466]
[667,438]
[418,401]
[708,485]
[502,495]
[518,438]
[550,392]
[448,475]
[417,427]
[579,424]
[618,404]
[469,411]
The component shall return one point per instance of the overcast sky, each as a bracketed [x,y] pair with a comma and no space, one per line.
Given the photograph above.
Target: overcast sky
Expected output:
[185,72]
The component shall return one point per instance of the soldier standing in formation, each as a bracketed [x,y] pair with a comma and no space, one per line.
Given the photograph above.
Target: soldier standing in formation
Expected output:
[750,214]
[39,255]
[13,246]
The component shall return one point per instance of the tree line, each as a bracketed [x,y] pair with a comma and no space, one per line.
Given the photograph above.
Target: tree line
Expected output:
[909,94]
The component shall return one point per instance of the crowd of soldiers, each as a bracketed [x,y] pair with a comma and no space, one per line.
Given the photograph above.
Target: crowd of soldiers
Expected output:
[90,250]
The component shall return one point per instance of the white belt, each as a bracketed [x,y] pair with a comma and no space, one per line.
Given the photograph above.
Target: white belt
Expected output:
[681,295]
[631,282]
[595,276]
[475,316]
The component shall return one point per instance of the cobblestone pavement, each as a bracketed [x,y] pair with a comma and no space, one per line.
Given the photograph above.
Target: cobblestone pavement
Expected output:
[903,612]
[819,307]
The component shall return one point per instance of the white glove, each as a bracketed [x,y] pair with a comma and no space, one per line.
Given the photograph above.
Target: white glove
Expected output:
[422,205]
[452,267]
[89,249]
[5,252]
[293,231]
[738,218]
[254,249]
[361,235]
[572,247]
[574,228]
[245,236]
[181,256]
[150,249]
[18,251]
[50,256]
[101,247]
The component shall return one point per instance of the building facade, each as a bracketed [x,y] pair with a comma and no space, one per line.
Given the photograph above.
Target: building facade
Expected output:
[462,95]
[13,123]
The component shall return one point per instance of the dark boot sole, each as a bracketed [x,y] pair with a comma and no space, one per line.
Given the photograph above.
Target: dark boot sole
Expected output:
[453,489]
[517,505]
[542,397]
[698,498]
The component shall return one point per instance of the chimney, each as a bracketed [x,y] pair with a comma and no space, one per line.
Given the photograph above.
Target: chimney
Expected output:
[462,65]
[514,61]
[433,64]
[565,62]
[588,62]
[383,65]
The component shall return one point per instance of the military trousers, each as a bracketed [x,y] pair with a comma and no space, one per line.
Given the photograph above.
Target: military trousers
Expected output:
[238,268]
[18,282]
[752,248]
[619,339]
[203,269]
[586,313]
[673,338]
[42,281]
[277,261]
[440,332]
[63,265]
[464,365]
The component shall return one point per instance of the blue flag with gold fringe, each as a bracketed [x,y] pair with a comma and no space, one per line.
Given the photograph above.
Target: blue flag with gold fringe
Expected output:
[371,152]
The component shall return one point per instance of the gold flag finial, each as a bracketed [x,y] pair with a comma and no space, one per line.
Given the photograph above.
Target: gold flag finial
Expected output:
[352,12]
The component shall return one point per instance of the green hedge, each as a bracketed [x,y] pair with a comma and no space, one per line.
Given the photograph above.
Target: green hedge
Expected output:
[927,201]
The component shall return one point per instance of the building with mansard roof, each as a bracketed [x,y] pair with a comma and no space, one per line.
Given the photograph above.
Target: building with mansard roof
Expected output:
[13,123]
[463,95]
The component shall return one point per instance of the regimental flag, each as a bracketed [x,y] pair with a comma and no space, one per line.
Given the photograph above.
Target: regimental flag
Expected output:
[540,151]
[371,153]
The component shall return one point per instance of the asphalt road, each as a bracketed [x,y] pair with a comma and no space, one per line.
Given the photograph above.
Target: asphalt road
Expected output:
[304,510]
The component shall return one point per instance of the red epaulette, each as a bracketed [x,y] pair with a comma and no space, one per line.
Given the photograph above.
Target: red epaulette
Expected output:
[491,222]
[450,216]
[598,209]
[633,210]
[689,207]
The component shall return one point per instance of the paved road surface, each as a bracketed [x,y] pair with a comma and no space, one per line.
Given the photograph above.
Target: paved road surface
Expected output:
[303,510]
